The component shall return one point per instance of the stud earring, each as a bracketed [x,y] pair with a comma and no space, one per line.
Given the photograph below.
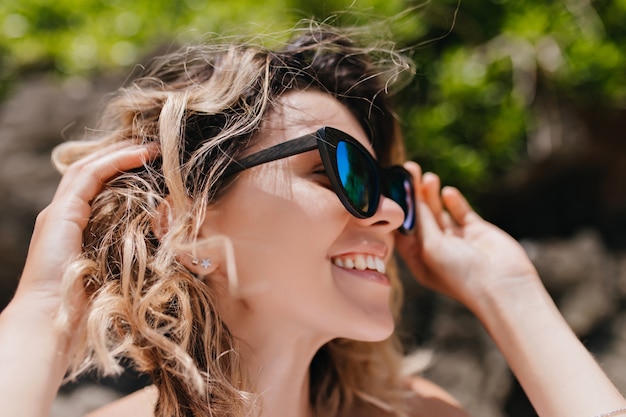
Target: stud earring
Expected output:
[206,263]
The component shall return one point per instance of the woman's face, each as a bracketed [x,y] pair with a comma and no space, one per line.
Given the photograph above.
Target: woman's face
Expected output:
[289,231]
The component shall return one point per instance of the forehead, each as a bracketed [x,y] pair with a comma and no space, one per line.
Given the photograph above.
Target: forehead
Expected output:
[300,112]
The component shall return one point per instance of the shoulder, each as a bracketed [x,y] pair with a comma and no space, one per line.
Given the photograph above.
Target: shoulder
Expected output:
[431,400]
[138,404]
[428,399]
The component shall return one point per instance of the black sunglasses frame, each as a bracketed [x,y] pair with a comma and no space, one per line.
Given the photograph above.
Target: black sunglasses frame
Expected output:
[326,140]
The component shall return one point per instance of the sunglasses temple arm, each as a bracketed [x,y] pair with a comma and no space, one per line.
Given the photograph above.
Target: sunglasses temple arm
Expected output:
[282,150]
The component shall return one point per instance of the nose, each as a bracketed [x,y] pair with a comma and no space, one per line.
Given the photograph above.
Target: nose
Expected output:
[389,215]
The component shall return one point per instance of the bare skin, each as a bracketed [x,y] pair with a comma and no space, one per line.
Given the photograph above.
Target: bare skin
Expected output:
[461,255]
[296,300]
[526,357]
[429,400]
[34,363]
[454,252]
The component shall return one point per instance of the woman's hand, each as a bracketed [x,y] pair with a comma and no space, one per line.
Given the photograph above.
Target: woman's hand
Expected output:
[34,351]
[459,254]
[57,236]
[455,252]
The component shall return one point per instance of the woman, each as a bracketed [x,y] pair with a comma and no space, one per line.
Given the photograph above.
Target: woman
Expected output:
[230,232]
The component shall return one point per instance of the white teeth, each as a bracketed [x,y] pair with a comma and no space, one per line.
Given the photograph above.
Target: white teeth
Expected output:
[361,263]
[380,265]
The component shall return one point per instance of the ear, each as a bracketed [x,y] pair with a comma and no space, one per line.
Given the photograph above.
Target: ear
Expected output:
[198,257]
[204,255]
[200,266]
[160,224]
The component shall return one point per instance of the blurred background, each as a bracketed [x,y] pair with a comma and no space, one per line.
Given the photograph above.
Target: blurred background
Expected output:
[521,104]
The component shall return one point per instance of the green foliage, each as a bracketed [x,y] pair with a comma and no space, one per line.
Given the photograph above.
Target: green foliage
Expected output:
[470,109]
[75,37]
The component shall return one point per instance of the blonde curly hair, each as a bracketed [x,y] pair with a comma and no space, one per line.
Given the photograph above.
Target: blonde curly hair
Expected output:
[203,106]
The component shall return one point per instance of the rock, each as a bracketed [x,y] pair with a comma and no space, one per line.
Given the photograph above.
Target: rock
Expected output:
[40,114]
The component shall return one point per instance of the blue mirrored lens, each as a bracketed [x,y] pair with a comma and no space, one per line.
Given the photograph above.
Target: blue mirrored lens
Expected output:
[401,191]
[357,176]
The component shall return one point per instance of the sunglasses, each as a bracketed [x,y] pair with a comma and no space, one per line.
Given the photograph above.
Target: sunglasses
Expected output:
[355,176]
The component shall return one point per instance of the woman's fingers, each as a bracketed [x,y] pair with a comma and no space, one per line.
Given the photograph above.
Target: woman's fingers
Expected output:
[431,217]
[427,218]
[416,171]
[85,178]
[57,237]
[431,189]
[457,206]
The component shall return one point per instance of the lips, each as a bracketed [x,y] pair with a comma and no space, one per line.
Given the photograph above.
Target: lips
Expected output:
[360,262]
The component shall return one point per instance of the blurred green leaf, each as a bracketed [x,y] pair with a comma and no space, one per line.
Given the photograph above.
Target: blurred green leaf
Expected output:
[467,115]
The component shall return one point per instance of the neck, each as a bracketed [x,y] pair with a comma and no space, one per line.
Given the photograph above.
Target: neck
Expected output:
[278,367]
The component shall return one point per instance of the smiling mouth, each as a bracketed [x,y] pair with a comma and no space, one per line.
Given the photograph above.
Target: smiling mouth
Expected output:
[361,262]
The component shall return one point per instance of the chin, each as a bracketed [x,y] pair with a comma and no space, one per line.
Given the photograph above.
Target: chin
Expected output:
[374,329]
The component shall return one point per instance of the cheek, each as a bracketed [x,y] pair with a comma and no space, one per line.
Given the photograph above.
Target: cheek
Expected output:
[286,211]
[289,214]
[281,227]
